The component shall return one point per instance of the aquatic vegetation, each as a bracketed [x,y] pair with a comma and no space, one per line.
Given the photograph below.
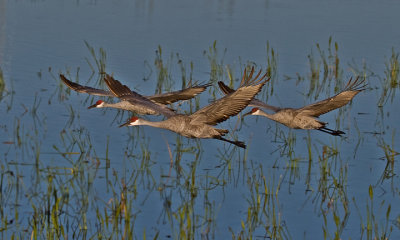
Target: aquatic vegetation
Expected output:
[391,80]
[272,72]
[164,79]
[373,228]
[100,60]
[326,62]
[390,153]
[62,177]
[263,211]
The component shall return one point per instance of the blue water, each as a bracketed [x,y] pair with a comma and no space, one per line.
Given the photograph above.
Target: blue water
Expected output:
[40,39]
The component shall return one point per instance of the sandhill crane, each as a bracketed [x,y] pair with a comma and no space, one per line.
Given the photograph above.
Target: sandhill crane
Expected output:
[131,100]
[163,98]
[305,117]
[200,124]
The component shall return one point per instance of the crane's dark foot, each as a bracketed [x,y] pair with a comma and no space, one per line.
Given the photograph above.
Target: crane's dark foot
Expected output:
[237,143]
[331,131]
[338,133]
[240,144]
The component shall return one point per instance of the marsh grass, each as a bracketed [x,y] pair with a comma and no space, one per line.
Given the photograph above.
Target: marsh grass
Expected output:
[216,61]
[100,60]
[374,226]
[390,82]
[389,157]
[79,187]
[332,193]
[164,79]
[263,215]
[325,69]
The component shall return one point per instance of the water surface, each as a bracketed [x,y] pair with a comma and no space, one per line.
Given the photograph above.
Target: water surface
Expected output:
[70,172]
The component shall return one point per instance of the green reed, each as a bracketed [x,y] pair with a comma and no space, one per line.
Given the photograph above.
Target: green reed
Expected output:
[99,60]
[188,81]
[391,80]
[263,213]
[216,66]
[164,79]
[390,154]
[374,227]
[324,67]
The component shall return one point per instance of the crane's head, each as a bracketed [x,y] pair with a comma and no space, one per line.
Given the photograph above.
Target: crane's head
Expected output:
[254,111]
[98,104]
[131,122]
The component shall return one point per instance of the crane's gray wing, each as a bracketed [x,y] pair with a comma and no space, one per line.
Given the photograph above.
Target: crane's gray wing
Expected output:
[124,93]
[253,103]
[85,89]
[232,103]
[352,89]
[184,94]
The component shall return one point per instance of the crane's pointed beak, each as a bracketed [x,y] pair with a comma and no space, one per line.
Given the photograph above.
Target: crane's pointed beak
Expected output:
[92,106]
[125,124]
[248,113]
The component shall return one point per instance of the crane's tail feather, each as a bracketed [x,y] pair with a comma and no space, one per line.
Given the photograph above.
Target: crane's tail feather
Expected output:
[237,143]
[331,131]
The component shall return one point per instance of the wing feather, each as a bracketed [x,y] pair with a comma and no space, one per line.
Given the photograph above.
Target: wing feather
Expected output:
[124,93]
[164,98]
[339,100]
[184,94]
[85,89]
[232,103]
[253,103]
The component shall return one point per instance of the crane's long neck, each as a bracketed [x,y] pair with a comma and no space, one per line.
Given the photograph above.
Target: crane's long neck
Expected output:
[264,114]
[119,105]
[159,124]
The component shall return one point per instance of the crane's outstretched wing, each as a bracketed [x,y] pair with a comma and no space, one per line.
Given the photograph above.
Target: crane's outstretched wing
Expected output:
[85,89]
[253,103]
[124,93]
[232,103]
[184,94]
[163,98]
[352,89]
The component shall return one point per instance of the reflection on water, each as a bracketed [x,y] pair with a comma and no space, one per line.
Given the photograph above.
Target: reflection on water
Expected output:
[120,190]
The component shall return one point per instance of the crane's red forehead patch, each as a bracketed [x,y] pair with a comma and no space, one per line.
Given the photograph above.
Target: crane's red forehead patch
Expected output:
[99,102]
[254,110]
[133,119]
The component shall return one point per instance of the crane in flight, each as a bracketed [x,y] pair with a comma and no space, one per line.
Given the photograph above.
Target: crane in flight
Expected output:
[132,101]
[306,117]
[200,124]
[159,99]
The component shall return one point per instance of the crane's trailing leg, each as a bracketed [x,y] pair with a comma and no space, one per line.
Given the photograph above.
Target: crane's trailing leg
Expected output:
[237,143]
[331,131]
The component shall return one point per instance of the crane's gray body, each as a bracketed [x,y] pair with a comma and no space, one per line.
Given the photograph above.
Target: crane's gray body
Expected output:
[200,124]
